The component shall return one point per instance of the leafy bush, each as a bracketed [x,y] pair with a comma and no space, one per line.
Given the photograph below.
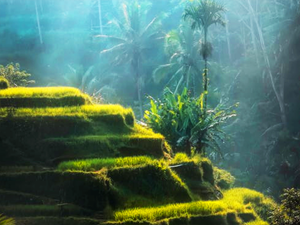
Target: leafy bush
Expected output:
[14,76]
[185,123]
[288,213]
[4,84]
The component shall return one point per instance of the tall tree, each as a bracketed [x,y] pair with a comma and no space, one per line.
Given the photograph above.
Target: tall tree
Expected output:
[132,40]
[203,14]
[182,48]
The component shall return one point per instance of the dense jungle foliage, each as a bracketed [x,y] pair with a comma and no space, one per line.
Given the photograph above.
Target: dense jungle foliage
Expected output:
[215,77]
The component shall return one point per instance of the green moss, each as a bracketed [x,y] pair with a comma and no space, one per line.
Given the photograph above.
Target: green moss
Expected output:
[223,178]
[155,182]
[208,172]
[4,84]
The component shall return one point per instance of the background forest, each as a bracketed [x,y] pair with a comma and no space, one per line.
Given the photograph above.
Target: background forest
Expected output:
[123,51]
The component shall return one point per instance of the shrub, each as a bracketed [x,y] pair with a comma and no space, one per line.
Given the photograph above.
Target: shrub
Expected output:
[14,76]
[186,124]
[4,84]
[288,213]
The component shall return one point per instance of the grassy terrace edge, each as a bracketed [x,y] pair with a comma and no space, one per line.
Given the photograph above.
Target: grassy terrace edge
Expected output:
[43,97]
[94,112]
[39,92]
[237,200]
[90,165]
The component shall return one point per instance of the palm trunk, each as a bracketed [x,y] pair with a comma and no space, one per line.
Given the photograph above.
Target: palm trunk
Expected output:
[138,87]
[38,22]
[190,81]
[205,74]
[228,40]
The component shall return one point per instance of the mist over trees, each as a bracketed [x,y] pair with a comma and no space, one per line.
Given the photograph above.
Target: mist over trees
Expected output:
[254,61]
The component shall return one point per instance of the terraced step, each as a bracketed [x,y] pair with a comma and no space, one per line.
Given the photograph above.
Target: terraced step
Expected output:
[219,219]
[63,209]
[148,184]
[61,149]
[83,189]
[8,197]
[56,221]
[42,97]
[239,206]
[32,124]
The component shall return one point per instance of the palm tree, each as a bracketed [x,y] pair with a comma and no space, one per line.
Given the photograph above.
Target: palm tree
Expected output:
[182,47]
[133,40]
[203,14]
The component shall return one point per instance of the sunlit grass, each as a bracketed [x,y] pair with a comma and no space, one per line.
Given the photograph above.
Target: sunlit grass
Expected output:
[27,92]
[43,97]
[223,178]
[238,200]
[184,158]
[89,110]
[111,112]
[97,164]
[257,222]
[171,211]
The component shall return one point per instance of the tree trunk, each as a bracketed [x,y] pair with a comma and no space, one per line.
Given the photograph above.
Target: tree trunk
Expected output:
[228,40]
[205,74]
[254,40]
[268,65]
[138,87]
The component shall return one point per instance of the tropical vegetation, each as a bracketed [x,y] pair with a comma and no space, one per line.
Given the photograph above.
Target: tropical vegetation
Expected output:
[186,124]
[14,75]
[104,160]
[203,14]
[288,212]
[133,41]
